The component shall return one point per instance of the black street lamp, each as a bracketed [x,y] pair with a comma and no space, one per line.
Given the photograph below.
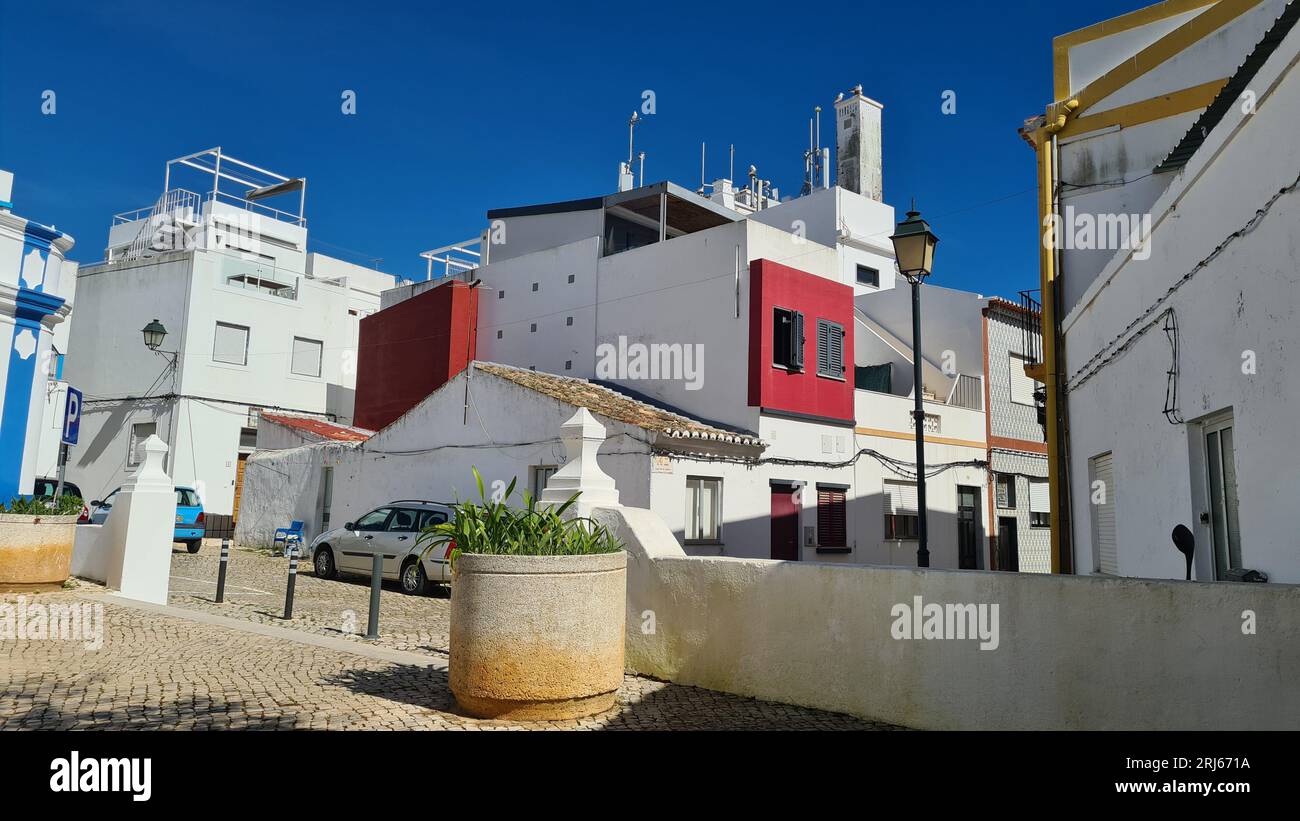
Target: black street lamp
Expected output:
[914,251]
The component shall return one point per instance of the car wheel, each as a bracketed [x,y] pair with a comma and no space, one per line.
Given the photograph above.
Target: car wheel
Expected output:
[324,563]
[414,580]
[193,546]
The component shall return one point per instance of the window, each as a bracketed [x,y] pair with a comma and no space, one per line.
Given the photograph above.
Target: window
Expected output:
[501,294]
[230,344]
[568,320]
[901,518]
[703,509]
[830,349]
[868,276]
[568,364]
[1022,386]
[1040,504]
[534,328]
[1006,491]
[787,339]
[500,334]
[306,356]
[832,530]
[538,476]
[135,448]
[571,278]
[247,438]
[403,520]
[186,497]
[374,520]
[1101,481]
[429,518]
[534,286]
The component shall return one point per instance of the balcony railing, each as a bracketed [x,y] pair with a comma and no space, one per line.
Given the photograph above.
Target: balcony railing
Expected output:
[1031,325]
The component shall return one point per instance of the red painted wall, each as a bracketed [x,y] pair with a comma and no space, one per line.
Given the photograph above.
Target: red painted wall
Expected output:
[411,349]
[773,285]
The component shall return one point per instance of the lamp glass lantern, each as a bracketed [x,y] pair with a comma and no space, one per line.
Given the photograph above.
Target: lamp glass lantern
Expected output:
[153,335]
[914,244]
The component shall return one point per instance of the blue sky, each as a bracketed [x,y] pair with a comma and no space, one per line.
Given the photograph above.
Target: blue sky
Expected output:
[466,107]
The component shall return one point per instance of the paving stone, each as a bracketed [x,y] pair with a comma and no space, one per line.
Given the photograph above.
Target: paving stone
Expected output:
[165,671]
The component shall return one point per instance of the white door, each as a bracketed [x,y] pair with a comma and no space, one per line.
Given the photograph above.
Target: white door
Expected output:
[1221,486]
[1102,499]
[356,553]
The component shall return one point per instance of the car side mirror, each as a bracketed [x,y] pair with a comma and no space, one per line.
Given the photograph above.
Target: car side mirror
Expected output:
[350,526]
[96,503]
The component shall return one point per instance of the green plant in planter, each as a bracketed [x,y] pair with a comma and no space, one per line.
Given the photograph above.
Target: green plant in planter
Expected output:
[489,526]
[30,505]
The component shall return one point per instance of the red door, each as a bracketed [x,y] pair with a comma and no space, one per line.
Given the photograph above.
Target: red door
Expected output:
[785,522]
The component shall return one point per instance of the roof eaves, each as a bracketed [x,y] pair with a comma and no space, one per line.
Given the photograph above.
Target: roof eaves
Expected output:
[1231,91]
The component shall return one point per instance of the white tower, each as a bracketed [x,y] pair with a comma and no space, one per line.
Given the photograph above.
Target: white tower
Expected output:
[857,144]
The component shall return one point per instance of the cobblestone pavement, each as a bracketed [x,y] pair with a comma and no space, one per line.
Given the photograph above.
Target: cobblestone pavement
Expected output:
[255,584]
[173,670]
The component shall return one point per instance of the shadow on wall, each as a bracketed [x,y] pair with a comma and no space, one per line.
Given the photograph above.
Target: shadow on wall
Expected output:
[865,524]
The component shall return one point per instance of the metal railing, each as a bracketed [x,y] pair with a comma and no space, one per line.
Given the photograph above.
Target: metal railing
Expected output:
[1031,325]
[967,392]
[171,203]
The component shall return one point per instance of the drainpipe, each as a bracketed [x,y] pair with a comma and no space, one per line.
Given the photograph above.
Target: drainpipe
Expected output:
[1057,476]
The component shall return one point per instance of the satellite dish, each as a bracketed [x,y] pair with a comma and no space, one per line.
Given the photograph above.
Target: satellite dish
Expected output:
[1186,544]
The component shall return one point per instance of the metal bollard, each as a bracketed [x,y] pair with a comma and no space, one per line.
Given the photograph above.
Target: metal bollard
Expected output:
[221,573]
[376,583]
[293,576]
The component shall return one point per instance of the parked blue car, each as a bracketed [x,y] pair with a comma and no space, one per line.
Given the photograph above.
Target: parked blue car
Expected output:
[189,516]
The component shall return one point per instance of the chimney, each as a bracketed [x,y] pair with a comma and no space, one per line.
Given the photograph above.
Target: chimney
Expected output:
[857,144]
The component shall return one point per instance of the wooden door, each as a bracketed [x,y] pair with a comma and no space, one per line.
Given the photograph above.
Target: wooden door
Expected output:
[239,484]
[785,522]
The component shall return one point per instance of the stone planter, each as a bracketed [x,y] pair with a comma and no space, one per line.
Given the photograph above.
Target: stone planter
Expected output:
[35,551]
[537,637]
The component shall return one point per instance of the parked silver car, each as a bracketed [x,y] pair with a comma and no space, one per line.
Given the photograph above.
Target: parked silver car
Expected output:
[393,531]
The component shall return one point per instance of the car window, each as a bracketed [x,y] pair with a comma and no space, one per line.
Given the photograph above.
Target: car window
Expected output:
[44,487]
[374,520]
[186,497]
[403,520]
[431,517]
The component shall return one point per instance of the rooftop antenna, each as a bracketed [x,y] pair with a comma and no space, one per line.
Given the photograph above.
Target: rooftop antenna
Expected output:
[641,157]
[631,129]
[731,172]
[702,166]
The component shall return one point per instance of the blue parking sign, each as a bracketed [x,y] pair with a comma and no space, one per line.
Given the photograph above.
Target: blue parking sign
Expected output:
[72,416]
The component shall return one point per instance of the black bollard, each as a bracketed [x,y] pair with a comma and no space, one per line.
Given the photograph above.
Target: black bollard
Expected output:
[221,573]
[376,583]
[293,576]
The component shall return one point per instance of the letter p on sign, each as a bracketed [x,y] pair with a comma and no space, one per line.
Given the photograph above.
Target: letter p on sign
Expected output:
[72,416]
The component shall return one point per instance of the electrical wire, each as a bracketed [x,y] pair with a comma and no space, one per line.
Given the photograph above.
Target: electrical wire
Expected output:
[1125,339]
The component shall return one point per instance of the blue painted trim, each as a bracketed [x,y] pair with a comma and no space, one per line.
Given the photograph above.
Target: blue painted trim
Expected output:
[6,204]
[41,235]
[31,307]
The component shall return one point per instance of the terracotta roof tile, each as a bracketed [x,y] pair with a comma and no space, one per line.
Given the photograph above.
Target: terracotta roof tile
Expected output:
[614,405]
[319,427]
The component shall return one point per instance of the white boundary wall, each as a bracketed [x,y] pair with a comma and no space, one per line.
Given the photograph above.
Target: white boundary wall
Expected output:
[1073,652]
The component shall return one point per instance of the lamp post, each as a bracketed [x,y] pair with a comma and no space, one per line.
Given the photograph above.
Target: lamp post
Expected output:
[914,250]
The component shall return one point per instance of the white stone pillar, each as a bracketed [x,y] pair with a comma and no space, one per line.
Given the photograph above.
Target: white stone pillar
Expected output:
[582,436]
[141,526]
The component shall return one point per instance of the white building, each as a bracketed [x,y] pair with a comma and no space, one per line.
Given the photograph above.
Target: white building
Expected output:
[659,297]
[1172,288]
[36,289]
[254,321]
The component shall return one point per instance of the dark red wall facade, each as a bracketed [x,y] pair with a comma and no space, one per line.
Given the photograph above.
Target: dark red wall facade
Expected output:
[801,393]
[411,349]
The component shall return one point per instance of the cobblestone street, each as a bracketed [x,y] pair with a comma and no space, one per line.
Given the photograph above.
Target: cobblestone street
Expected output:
[199,665]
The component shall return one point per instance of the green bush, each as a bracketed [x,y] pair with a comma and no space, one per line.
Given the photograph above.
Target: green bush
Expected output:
[34,506]
[494,527]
